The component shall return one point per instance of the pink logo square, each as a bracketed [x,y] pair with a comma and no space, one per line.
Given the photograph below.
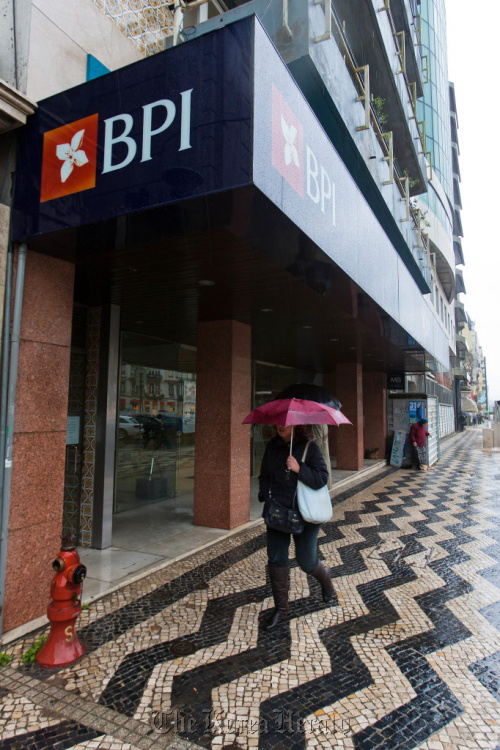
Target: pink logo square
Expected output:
[288,143]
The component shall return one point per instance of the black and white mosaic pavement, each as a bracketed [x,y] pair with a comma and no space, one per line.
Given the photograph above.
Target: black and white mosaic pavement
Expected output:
[408,655]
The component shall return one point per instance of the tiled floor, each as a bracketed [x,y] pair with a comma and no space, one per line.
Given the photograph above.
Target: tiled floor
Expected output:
[406,657]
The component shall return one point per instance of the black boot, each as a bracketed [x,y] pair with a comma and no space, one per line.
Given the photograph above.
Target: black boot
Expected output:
[323,575]
[279,578]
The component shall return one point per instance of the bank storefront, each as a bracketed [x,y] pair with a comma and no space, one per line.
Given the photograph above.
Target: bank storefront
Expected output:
[200,245]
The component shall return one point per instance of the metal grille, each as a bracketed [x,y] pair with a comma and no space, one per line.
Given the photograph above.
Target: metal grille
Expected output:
[446,420]
[433,440]
[145,22]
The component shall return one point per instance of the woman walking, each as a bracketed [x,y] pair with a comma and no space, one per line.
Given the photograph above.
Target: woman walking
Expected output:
[280,472]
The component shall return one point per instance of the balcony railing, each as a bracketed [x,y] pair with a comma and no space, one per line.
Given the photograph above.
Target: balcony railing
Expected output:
[360,76]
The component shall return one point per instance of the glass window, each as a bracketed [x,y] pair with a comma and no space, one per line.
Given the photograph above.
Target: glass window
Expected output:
[156,424]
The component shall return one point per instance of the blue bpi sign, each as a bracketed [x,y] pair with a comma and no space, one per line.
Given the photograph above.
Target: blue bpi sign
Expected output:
[212,115]
[175,125]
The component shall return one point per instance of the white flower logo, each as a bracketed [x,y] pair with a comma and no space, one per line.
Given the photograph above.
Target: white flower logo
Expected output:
[71,155]
[290,133]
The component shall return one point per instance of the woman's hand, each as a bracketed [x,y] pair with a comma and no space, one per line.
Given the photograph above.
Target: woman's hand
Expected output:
[292,464]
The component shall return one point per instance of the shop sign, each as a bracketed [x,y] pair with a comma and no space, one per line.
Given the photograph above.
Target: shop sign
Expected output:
[396,381]
[310,183]
[294,158]
[69,156]
[173,126]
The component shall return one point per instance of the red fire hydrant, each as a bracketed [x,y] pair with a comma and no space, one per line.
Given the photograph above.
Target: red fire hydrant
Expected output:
[63,646]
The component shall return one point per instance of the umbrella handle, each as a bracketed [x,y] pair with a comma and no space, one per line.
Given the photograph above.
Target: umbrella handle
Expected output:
[287,470]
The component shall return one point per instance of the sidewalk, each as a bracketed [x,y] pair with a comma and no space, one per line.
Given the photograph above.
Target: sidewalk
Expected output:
[407,656]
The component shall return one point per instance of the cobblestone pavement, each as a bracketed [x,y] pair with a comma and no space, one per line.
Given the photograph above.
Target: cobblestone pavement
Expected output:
[407,656]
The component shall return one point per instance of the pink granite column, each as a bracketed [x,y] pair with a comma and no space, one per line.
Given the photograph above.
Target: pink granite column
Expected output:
[375,410]
[39,451]
[223,399]
[349,381]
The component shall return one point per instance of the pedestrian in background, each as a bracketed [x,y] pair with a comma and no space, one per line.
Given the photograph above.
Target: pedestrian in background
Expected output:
[418,439]
[320,435]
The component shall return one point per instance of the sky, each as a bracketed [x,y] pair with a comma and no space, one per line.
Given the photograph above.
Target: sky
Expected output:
[473,66]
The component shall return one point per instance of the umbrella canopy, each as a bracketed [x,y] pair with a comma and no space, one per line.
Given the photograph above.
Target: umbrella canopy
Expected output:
[293,411]
[311,392]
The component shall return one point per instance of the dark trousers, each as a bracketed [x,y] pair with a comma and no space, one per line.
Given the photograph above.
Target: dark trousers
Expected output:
[306,548]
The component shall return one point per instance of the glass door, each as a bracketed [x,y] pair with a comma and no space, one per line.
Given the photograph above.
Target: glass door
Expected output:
[156,424]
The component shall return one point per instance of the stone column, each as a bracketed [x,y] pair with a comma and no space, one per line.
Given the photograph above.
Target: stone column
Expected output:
[375,411]
[350,448]
[39,449]
[222,443]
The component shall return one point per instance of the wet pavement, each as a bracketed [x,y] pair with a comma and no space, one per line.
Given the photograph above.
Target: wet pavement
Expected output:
[408,655]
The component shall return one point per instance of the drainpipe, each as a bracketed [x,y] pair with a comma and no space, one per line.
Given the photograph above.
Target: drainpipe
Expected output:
[178,20]
[8,402]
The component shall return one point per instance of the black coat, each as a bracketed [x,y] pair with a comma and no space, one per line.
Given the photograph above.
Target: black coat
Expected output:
[273,475]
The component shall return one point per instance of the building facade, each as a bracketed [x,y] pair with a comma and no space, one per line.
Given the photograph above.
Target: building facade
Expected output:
[248,198]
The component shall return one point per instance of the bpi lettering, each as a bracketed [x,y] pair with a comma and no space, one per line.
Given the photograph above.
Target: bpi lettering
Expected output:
[111,137]
[319,187]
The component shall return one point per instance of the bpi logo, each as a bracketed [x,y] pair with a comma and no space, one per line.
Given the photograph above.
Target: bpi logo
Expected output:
[296,161]
[288,143]
[69,160]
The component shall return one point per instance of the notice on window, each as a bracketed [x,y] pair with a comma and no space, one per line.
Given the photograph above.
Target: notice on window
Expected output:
[73,431]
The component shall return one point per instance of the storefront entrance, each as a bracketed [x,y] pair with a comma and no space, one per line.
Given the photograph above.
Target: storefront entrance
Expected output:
[156,424]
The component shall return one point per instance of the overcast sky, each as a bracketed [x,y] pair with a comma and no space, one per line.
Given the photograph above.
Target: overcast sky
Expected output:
[473,66]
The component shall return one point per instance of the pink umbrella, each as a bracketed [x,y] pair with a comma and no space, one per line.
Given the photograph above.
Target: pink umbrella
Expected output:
[292,411]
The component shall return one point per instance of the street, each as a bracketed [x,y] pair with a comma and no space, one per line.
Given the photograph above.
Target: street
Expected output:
[406,657]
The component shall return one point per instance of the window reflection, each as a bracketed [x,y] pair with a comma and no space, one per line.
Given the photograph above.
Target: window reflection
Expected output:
[156,424]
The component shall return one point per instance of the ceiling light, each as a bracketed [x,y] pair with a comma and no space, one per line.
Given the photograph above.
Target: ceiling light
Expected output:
[206,282]
[266,309]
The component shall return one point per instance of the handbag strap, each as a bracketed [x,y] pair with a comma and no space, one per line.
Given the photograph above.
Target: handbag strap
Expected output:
[280,504]
[305,450]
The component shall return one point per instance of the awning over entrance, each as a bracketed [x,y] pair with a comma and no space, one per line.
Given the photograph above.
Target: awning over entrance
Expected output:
[468,405]
[206,163]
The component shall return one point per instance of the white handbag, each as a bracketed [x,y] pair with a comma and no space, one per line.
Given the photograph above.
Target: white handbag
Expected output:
[315,506]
